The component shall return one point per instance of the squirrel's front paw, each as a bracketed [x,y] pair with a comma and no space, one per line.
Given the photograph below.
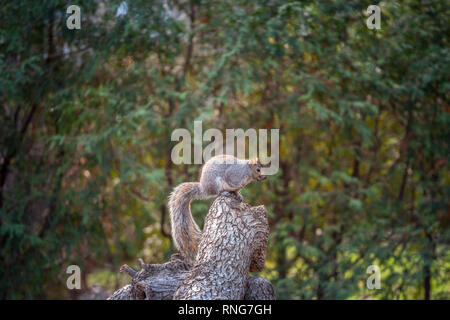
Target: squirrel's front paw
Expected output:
[238,196]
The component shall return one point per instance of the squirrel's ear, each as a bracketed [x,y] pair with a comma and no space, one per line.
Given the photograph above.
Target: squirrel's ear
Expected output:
[253,161]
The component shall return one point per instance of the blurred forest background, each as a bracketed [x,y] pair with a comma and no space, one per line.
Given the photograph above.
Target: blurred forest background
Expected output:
[86,118]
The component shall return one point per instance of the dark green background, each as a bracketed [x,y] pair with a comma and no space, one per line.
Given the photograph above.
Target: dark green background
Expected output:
[86,117]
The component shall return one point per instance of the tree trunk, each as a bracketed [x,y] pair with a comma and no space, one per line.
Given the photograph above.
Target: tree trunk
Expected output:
[234,242]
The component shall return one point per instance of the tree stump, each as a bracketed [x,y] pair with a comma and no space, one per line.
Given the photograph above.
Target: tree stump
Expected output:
[234,242]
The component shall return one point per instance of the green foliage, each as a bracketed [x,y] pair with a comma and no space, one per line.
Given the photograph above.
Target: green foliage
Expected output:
[86,118]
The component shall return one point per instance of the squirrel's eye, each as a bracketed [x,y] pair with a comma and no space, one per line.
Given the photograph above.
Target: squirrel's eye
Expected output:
[258,170]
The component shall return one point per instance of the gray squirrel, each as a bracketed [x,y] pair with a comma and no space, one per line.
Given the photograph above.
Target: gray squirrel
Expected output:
[222,173]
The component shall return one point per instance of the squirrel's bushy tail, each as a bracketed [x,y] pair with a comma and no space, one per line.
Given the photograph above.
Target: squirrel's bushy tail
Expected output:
[185,232]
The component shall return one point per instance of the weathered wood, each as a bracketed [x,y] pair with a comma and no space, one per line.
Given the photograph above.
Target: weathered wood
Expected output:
[234,242]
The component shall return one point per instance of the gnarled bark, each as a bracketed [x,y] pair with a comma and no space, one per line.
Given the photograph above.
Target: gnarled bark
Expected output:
[234,242]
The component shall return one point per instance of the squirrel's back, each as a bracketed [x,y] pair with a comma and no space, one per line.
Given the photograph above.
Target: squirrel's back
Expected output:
[224,173]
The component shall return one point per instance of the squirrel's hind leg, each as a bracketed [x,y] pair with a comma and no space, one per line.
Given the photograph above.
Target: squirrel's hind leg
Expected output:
[235,194]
